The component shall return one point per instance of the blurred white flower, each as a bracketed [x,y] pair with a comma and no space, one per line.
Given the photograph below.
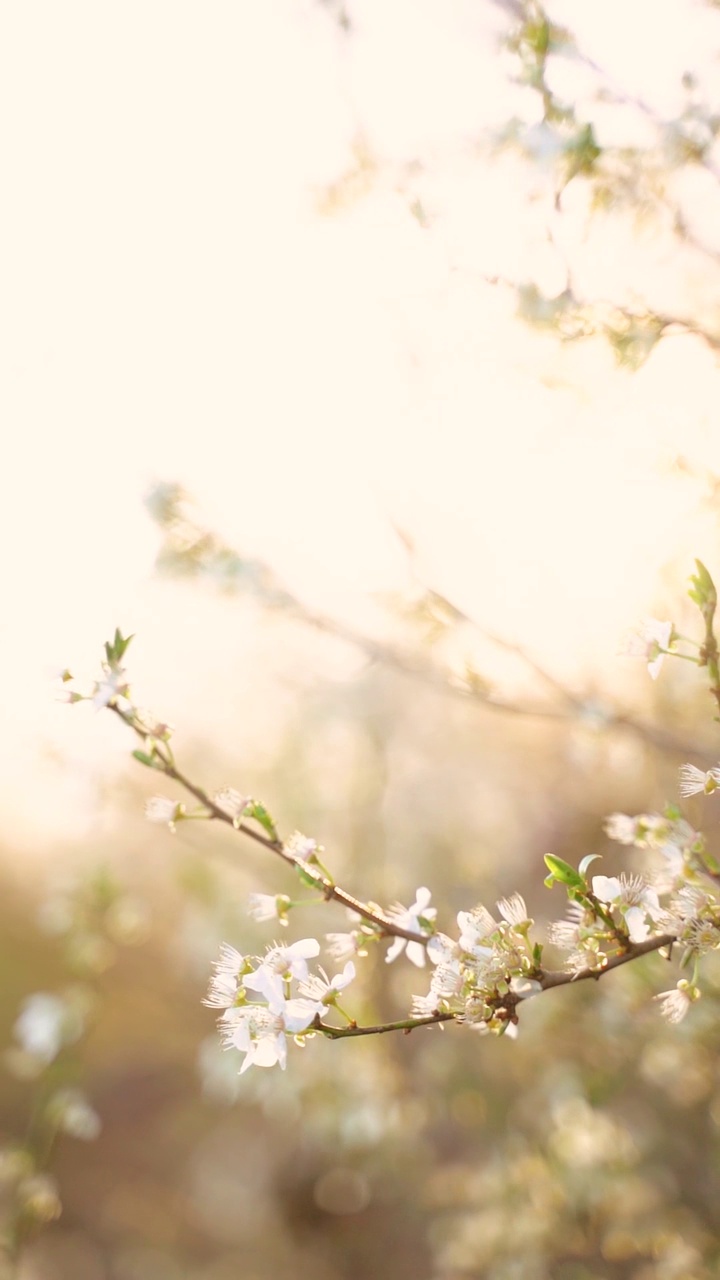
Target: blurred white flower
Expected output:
[163,810]
[74,1115]
[301,846]
[40,1026]
[114,685]
[343,945]
[38,1196]
[623,828]
[649,641]
[269,906]
[231,802]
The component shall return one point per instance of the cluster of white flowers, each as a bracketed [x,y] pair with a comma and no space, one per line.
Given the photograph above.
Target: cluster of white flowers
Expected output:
[260,1011]
[480,977]
[630,905]
[669,834]
[618,906]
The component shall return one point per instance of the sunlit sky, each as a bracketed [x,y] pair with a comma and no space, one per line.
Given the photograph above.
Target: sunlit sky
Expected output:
[197,288]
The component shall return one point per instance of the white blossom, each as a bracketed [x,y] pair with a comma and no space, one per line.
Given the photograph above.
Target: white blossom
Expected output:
[703,936]
[513,909]
[623,828]
[448,979]
[301,846]
[163,810]
[114,685]
[324,989]
[564,934]
[418,917]
[40,1026]
[476,927]
[260,1031]
[343,945]
[425,1006]
[268,906]
[231,802]
[441,947]
[693,781]
[280,965]
[649,641]
[674,1004]
[224,984]
[635,898]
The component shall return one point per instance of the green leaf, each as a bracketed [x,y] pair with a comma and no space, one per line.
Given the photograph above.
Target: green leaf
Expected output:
[310,881]
[702,588]
[586,862]
[115,649]
[258,811]
[563,872]
[145,759]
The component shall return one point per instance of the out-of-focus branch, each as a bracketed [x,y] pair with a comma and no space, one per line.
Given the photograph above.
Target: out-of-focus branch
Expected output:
[189,549]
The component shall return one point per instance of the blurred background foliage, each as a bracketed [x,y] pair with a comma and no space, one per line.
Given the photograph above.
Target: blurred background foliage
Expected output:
[422,733]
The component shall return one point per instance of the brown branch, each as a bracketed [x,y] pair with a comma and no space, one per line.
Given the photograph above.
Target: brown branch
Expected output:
[406,1024]
[548,980]
[633,950]
[328,888]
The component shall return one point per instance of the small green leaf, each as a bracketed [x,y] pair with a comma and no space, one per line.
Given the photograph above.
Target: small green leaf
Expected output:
[563,872]
[702,589]
[115,649]
[310,881]
[258,811]
[145,759]
[586,862]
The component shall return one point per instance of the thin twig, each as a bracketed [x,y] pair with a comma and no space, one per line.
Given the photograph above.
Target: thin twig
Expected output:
[328,888]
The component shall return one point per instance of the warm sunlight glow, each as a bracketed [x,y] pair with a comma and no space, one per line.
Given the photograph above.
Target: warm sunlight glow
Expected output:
[216,278]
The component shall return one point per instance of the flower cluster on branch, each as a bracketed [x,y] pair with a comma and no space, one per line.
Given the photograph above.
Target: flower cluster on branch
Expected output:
[480,978]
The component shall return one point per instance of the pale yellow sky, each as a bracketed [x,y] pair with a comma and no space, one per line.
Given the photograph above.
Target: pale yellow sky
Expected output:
[175,305]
